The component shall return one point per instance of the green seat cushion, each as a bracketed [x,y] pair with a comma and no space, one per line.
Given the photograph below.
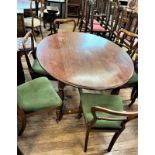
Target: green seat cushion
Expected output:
[37,94]
[38,68]
[133,79]
[107,101]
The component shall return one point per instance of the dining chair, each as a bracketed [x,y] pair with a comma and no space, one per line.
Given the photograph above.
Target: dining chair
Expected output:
[89,22]
[120,21]
[34,96]
[127,39]
[132,82]
[20,52]
[34,67]
[112,16]
[104,113]
[34,20]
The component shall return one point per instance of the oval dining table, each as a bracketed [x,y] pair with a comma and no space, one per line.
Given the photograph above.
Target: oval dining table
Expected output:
[84,61]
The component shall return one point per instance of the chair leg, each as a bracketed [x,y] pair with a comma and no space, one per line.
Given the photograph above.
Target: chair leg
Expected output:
[86,140]
[23,120]
[58,113]
[80,111]
[134,95]
[41,32]
[114,138]
[33,33]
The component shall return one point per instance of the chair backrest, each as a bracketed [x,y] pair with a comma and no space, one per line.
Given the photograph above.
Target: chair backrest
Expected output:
[101,6]
[58,22]
[113,15]
[29,39]
[123,19]
[89,14]
[132,25]
[127,39]
[111,12]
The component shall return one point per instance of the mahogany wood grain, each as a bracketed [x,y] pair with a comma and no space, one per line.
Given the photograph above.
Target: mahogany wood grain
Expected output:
[85,60]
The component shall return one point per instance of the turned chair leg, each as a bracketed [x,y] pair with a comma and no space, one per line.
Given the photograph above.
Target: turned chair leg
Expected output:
[86,140]
[114,138]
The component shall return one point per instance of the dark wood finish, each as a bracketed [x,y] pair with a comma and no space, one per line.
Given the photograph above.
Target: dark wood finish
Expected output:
[35,14]
[95,17]
[133,85]
[126,117]
[20,25]
[23,115]
[73,8]
[20,72]
[85,60]
[50,16]
[31,51]
[63,21]
[127,39]
[134,95]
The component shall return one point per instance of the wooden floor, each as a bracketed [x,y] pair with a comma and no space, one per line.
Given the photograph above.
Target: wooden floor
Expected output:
[43,136]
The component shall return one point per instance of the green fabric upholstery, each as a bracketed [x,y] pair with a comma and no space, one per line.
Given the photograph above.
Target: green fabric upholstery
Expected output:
[38,68]
[107,101]
[36,95]
[133,79]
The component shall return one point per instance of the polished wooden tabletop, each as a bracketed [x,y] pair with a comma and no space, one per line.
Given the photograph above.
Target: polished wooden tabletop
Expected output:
[85,60]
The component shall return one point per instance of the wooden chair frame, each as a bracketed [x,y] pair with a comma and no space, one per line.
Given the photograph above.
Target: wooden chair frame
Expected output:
[32,52]
[63,21]
[120,40]
[38,14]
[22,116]
[126,117]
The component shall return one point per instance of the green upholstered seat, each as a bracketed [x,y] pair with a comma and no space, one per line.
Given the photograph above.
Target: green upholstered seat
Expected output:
[133,79]
[107,101]
[36,95]
[38,68]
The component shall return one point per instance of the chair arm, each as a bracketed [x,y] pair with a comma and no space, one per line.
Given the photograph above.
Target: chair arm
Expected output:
[26,37]
[129,115]
[67,20]
[131,34]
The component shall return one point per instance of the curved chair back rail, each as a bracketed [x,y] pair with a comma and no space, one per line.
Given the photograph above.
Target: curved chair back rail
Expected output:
[63,21]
